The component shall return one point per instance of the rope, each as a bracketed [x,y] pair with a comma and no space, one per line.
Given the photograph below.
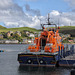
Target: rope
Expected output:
[67,63]
[37,59]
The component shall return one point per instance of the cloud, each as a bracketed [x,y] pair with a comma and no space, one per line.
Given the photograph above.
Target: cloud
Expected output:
[37,12]
[63,19]
[12,15]
[54,12]
[5,4]
[71,3]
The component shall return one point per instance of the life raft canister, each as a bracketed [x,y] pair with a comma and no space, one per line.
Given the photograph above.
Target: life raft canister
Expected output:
[48,49]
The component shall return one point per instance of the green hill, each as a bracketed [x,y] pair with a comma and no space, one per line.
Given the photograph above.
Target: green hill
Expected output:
[23,28]
[3,29]
[68,30]
[64,29]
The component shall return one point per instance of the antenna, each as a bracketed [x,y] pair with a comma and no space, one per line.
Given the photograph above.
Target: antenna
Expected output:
[48,19]
[70,23]
[42,25]
[58,21]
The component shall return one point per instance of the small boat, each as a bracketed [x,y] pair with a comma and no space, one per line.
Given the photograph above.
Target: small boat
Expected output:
[45,49]
[1,50]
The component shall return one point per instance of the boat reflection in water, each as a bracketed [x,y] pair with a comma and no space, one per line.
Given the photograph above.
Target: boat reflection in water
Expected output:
[30,70]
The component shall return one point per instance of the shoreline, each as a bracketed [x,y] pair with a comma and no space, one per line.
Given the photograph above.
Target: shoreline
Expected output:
[12,43]
[68,43]
[30,43]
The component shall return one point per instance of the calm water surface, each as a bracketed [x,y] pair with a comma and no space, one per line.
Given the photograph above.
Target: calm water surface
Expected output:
[10,66]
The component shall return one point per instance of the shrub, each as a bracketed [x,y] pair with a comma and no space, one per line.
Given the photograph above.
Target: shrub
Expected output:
[17,37]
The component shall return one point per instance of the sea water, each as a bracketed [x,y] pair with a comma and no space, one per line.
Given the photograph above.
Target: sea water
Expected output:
[10,66]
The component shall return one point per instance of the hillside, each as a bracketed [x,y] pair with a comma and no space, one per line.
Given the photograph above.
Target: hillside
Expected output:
[68,30]
[18,29]
[1,27]
[65,29]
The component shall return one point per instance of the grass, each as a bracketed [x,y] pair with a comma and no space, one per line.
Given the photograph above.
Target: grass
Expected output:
[68,30]
[63,29]
[19,29]
[67,27]
[1,27]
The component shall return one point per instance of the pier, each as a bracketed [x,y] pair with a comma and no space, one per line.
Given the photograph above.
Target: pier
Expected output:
[67,56]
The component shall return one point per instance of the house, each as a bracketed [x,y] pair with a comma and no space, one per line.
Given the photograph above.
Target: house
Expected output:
[36,34]
[68,35]
[9,33]
[27,32]
[11,41]
[2,41]
[74,40]
[18,32]
[65,36]
[31,35]
[25,41]
[70,40]
[1,36]
[29,41]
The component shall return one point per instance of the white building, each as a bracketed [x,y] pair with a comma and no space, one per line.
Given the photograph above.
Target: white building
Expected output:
[25,41]
[11,41]
[2,41]
[31,35]
[27,32]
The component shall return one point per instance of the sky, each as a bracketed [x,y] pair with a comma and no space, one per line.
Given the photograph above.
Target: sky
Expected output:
[30,13]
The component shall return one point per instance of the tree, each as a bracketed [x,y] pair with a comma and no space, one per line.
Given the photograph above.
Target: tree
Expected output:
[4,34]
[12,34]
[17,37]
[23,34]
[29,37]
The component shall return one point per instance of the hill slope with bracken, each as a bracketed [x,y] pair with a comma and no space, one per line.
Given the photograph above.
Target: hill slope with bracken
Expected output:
[68,30]
[64,29]
[3,29]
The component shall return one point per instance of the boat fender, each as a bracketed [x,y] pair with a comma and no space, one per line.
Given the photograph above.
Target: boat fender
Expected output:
[29,61]
[42,61]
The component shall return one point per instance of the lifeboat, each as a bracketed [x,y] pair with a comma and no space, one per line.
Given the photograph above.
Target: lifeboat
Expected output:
[45,49]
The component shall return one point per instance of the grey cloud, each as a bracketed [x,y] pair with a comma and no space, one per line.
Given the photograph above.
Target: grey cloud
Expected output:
[5,4]
[12,15]
[71,5]
[71,2]
[64,18]
[36,12]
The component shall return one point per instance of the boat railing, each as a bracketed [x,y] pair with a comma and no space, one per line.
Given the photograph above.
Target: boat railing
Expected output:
[40,50]
[35,48]
[67,51]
